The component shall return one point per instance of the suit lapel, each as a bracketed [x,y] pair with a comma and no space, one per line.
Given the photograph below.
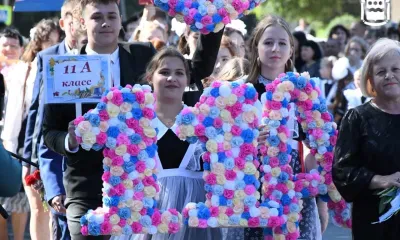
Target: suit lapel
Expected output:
[126,64]
[82,51]
[61,48]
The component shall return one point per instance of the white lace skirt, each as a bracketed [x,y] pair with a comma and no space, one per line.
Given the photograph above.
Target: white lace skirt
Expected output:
[176,192]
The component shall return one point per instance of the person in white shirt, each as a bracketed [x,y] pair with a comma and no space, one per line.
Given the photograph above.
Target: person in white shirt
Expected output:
[355,97]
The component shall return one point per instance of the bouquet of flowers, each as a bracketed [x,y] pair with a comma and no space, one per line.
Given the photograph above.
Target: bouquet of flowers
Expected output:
[33,180]
[389,197]
[207,16]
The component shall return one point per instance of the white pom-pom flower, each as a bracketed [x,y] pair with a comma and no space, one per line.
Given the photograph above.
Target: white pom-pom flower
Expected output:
[225,90]
[152,229]
[214,157]
[273,212]
[129,132]
[133,175]
[291,193]
[267,168]
[112,122]
[235,152]
[255,212]
[240,175]
[150,163]
[215,200]
[229,185]
[212,222]
[128,115]
[226,127]
[192,213]
[220,138]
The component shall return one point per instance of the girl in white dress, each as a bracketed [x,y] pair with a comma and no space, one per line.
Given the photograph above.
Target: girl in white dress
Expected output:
[180,173]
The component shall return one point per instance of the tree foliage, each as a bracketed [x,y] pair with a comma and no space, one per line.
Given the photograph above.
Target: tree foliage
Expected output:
[310,10]
[345,20]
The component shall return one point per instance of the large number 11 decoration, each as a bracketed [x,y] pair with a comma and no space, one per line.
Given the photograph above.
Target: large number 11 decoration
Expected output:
[226,120]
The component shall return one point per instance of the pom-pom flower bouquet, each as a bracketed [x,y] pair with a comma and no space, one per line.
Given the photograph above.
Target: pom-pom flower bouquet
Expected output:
[207,16]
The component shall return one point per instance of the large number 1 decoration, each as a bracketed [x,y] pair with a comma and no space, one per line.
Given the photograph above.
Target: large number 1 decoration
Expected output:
[123,123]
[226,120]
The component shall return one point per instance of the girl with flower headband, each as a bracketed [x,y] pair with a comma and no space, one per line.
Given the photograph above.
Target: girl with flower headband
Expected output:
[236,30]
[180,175]
[272,53]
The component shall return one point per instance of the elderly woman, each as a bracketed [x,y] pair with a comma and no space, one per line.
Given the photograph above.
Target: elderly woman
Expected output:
[368,149]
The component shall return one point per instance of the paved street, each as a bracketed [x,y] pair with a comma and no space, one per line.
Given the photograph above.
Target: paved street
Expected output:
[332,233]
[336,233]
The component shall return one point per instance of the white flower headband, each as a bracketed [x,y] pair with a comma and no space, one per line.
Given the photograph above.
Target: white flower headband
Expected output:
[238,25]
[178,27]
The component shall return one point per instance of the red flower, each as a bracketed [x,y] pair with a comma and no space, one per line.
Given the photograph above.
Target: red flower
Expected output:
[36,175]
[30,180]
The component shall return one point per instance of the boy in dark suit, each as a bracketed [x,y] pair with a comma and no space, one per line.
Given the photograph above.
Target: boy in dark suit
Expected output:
[82,176]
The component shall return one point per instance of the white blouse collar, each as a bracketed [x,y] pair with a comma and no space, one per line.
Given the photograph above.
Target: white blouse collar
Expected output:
[162,128]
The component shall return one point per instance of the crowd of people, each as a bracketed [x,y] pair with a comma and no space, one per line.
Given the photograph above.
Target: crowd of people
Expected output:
[151,48]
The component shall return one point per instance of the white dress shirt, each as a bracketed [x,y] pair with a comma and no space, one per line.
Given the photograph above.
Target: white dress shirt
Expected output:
[67,48]
[115,66]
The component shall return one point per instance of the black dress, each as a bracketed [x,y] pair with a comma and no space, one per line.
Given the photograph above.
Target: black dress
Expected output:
[180,180]
[368,144]
[171,150]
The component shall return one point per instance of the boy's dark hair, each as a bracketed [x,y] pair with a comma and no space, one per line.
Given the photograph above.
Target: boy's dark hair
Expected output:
[84,3]
[10,32]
